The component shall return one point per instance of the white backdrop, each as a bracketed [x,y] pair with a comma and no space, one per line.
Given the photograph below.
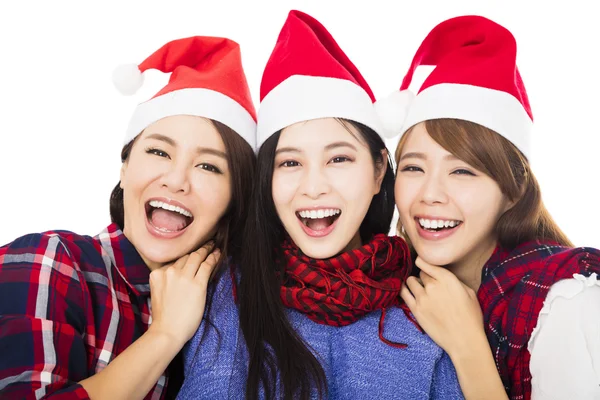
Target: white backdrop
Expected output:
[62,122]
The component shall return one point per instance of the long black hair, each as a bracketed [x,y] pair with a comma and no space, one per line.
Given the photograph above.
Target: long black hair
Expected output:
[228,237]
[276,352]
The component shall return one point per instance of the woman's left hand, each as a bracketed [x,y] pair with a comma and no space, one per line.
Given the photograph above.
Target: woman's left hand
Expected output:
[446,308]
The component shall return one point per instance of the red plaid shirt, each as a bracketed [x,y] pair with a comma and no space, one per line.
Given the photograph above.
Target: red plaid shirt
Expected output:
[513,289]
[69,304]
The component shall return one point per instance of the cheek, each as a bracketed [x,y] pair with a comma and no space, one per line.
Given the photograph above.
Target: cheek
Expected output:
[405,193]
[478,204]
[213,194]
[353,184]
[139,174]
[284,187]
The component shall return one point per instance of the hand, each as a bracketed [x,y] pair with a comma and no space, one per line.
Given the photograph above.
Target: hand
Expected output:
[178,293]
[446,309]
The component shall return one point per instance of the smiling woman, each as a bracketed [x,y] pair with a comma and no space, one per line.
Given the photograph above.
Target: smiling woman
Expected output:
[472,209]
[154,162]
[105,317]
[318,278]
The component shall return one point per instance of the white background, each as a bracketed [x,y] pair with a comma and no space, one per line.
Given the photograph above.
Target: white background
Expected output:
[62,122]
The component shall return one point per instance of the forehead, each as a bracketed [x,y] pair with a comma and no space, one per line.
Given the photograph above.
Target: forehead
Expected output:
[319,133]
[186,131]
[418,140]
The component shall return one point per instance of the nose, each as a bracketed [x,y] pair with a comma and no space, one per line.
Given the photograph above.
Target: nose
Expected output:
[314,183]
[176,179]
[434,190]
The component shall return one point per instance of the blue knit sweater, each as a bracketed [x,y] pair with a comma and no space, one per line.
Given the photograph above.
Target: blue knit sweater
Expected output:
[357,364]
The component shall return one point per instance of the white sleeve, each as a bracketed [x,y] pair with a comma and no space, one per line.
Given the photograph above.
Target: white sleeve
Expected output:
[565,345]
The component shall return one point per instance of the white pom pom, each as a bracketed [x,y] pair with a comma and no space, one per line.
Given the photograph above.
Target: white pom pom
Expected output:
[392,111]
[127,78]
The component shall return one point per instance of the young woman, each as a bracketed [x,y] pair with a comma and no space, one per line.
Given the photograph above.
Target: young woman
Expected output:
[319,279]
[102,317]
[472,210]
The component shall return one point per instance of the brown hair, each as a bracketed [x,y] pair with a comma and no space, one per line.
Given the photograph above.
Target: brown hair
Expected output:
[241,161]
[492,154]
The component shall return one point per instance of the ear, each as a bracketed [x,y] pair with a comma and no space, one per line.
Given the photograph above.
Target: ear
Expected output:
[508,204]
[380,171]
[122,174]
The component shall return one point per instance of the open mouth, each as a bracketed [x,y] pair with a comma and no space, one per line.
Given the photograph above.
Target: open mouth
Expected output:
[438,225]
[319,220]
[168,218]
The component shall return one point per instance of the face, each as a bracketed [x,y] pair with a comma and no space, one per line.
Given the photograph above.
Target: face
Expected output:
[324,179]
[176,187]
[448,209]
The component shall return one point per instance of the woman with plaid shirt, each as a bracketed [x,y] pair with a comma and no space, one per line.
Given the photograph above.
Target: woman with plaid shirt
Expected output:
[471,208]
[102,317]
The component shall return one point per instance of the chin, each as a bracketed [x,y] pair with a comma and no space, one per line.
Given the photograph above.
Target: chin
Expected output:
[160,254]
[164,251]
[438,257]
[322,250]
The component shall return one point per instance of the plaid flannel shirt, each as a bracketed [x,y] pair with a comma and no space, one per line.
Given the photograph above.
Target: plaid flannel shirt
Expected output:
[513,289]
[69,304]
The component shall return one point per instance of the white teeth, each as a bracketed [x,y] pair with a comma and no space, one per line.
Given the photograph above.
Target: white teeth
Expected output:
[170,207]
[317,214]
[438,223]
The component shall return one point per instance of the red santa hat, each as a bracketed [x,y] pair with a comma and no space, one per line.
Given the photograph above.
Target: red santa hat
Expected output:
[308,76]
[207,80]
[475,79]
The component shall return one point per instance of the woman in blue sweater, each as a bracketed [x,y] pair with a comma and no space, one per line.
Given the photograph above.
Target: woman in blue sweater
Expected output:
[319,279]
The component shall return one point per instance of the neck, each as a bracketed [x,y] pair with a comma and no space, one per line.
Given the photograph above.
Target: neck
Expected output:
[468,270]
[150,264]
[355,243]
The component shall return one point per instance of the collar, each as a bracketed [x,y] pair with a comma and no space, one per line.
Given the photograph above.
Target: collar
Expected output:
[126,259]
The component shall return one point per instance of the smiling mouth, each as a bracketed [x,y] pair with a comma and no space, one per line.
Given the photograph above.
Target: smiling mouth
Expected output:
[166,217]
[438,225]
[319,220]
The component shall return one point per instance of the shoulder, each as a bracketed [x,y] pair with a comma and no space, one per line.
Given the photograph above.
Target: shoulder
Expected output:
[544,262]
[40,276]
[56,251]
[565,339]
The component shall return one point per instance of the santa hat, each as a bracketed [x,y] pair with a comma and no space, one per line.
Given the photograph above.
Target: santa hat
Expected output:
[475,79]
[207,80]
[307,77]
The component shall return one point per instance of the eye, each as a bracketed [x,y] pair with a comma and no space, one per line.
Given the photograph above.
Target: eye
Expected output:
[157,152]
[412,168]
[209,168]
[340,159]
[289,164]
[462,171]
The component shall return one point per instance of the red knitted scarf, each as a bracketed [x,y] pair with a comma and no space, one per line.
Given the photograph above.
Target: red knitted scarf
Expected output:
[340,290]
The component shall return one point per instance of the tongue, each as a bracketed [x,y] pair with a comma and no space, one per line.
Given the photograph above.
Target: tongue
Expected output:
[168,220]
[318,224]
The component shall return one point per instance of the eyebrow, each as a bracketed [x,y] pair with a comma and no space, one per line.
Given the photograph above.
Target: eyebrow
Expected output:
[199,150]
[162,138]
[335,145]
[422,156]
[330,146]
[287,150]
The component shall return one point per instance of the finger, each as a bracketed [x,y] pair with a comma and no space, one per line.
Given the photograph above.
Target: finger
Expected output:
[408,298]
[415,287]
[192,264]
[426,278]
[205,250]
[206,268]
[180,263]
[432,270]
